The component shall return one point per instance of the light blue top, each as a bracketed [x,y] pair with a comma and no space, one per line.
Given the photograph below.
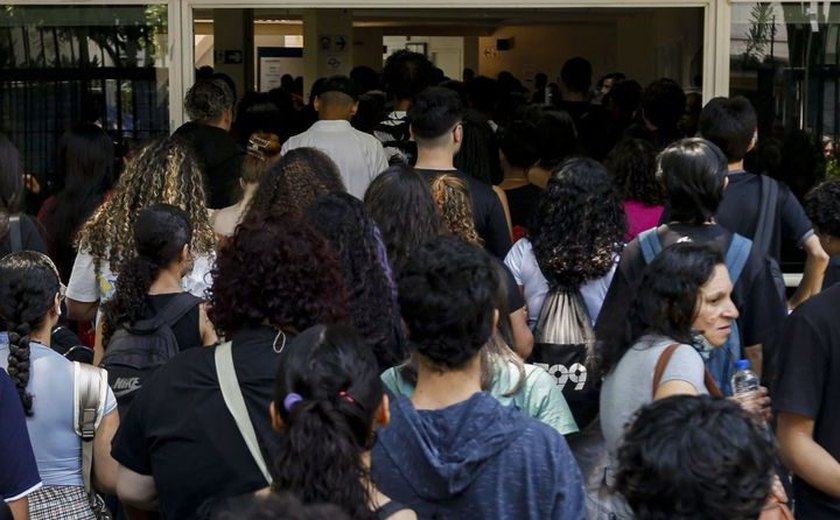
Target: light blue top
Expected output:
[58,450]
[539,396]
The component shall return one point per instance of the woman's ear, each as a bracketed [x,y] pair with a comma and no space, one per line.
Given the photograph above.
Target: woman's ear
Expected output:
[276,421]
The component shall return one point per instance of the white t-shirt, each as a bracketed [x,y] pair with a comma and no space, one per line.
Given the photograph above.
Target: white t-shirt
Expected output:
[359,156]
[88,285]
[526,271]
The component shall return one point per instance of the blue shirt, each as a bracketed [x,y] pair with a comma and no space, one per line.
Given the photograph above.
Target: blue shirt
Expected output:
[18,471]
[58,450]
[476,459]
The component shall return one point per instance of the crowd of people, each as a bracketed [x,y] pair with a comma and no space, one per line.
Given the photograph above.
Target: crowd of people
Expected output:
[418,297]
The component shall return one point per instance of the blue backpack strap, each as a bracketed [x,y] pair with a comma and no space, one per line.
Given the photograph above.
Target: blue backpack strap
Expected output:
[650,244]
[737,256]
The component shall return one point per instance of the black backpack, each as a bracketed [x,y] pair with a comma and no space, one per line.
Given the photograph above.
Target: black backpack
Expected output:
[136,351]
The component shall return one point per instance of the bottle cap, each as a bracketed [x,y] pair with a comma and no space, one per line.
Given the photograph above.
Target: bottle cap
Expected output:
[743,364]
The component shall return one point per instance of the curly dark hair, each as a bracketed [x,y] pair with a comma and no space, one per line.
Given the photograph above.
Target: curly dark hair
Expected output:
[632,165]
[29,285]
[160,233]
[332,424]
[279,271]
[447,293]
[662,477]
[406,74]
[343,221]
[665,299]
[294,182]
[400,202]
[822,204]
[578,224]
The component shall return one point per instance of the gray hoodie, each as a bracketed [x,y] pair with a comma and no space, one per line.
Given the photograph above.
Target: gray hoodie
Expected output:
[476,459]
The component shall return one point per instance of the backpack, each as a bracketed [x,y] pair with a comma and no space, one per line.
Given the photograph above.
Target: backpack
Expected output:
[563,346]
[721,362]
[764,231]
[136,351]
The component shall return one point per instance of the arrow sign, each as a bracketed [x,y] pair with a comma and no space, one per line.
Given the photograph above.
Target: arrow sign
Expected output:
[340,43]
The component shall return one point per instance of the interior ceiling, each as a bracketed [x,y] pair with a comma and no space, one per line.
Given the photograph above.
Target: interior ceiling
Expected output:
[484,18]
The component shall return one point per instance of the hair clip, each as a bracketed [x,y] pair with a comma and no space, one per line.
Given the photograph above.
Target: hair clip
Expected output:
[346,396]
[291,400]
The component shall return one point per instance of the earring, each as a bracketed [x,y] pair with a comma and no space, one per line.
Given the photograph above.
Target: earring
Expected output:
[282,345]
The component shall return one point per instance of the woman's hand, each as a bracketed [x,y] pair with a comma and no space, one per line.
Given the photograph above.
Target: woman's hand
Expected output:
[756,402]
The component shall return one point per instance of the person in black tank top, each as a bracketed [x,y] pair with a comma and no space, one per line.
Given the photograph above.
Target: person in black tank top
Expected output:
[152,278]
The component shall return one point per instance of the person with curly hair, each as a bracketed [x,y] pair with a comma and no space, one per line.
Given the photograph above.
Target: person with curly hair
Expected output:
[274,279]
[343,221]
[151,279]
[632,166]
[209,103]
[30,306]
[822,204]
[263,152]
[575,239]
[401,204]
[661,475]
[807,391]
[452,449]
[452,196]
[163,171]
[294,182]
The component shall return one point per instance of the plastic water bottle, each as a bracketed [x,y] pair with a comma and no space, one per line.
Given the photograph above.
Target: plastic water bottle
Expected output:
[744,380]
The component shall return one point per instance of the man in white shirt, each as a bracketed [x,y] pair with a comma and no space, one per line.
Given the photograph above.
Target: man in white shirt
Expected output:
[359,156]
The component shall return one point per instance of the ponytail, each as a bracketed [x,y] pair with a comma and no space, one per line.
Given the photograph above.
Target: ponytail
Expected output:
[19,363]
[129,301]
[320,458]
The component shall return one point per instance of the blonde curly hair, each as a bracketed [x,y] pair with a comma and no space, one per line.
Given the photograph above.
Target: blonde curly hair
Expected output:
[452,195]
[166,171]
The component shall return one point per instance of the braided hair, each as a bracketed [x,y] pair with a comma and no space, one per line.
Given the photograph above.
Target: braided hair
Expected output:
[28,286]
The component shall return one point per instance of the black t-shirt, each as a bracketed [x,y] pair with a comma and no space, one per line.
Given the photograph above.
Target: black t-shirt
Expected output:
[30,237]
[738,212]
[187,330]
[593,125]
[489,216]
[220,157]
[522,202]
[832,273]
[754,294]
[809,385]
[179,430]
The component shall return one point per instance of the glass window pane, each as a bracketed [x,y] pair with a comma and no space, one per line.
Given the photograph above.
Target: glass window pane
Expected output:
[60,65]
[784,59]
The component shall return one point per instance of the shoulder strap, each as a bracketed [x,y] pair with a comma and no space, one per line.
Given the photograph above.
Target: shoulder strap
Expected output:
[650,243]
[89,393]
[766,211]
[14,233]
[662,364]
[737,256]
[174,310]
[235,402]
[384,511]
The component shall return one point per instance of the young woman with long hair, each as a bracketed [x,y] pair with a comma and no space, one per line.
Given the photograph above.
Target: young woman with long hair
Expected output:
[30,305]
[400,203]
[632,166]
[275,278]
[151,278]
[343,221]
[86,174]
[163,171]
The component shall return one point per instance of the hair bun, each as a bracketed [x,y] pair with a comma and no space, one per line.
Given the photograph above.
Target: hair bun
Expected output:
[263,145]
